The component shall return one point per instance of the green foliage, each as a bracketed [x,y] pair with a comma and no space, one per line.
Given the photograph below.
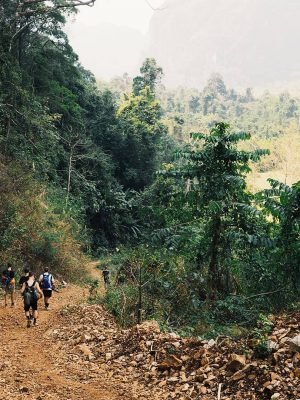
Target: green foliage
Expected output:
[217,190]
[121,302]
[55,122]
[281,203]
[150,76]
[143,133]
[260,334]
[213,245]
[264,327]
[32,232]
[234,310]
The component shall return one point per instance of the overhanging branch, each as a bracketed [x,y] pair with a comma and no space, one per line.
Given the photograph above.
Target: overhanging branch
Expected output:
[155,8]
[26,8]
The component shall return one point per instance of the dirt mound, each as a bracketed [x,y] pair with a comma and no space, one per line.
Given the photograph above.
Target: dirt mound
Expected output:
[157,365]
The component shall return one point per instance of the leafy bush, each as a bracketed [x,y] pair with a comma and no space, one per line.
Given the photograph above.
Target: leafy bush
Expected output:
[121,301]
[233,309]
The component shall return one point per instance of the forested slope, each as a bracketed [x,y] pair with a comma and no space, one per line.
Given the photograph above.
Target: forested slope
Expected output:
[272,119]
[74,140]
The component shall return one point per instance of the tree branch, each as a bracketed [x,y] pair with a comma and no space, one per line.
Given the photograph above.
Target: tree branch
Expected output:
[23,12]
[259,294]
[154,8]
[264,294]
[18,33]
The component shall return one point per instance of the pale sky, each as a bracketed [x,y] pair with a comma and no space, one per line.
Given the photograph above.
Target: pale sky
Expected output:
[131,13]
[110,37]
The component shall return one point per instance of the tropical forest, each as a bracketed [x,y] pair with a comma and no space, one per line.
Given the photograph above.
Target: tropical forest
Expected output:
[187,196]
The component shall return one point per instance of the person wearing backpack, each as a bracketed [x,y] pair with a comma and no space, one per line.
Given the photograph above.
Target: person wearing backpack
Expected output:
[9,284]
[47,284]
[31,292]
[23,279]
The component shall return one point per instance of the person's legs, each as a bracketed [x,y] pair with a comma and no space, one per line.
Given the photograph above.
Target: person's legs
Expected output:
[35,313]
[27,315]
[47,295]
[5,297]
[12,296]
[46,301]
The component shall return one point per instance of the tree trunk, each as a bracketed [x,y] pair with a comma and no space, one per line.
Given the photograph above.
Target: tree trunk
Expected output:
[69,174]
[214,279]
[7,129]
[140,304]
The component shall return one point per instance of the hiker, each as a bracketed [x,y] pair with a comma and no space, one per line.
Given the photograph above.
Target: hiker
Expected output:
[24,277]
[47,284]
[9,284]
[31,292]
[105,274]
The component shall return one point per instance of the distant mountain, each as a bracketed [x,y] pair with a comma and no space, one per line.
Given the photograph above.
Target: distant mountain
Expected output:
[250,42]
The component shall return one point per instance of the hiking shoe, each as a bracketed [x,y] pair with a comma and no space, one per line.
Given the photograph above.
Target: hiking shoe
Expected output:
[28,323]
[35,323]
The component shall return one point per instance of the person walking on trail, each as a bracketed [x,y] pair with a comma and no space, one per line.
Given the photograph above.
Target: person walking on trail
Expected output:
[23,279]
[9,284]
[47,284]
[105,274]
[31,292]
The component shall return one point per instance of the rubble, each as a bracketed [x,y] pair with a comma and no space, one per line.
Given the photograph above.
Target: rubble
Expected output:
[236,363]
[165,366]
[294,344]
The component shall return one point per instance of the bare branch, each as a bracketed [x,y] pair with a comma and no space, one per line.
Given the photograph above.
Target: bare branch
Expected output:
[219,391]
[18,33]
[25,11]
[154,8]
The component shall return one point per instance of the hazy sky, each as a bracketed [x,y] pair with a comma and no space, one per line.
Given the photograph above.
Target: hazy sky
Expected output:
[110,37]
[130,13]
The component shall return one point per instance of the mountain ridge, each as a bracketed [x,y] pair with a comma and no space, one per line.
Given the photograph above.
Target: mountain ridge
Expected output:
[250,42]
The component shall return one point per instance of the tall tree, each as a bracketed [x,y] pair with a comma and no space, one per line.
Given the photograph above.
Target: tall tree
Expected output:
[150,76]
[215,169]
[140,116]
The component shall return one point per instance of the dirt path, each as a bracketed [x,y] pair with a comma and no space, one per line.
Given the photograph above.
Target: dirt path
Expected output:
[30,363]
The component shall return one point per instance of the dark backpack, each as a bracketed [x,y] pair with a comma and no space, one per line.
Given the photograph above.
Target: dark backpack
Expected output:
[5,281]
[46,283]
[6,278]
[30,294]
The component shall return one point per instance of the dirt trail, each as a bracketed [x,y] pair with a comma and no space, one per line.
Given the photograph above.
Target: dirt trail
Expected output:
[30,363]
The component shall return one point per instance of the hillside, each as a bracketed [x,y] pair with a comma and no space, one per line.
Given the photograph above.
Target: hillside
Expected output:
[250,42]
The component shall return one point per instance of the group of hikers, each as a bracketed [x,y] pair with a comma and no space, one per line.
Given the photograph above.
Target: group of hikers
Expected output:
[32,290]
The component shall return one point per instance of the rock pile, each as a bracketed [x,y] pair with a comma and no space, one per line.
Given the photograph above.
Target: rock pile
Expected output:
[166,366]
